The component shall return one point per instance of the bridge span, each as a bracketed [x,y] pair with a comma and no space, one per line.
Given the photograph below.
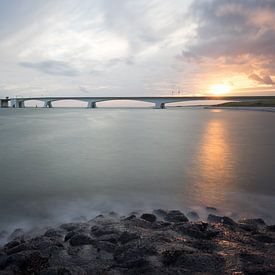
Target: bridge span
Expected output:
[159,102]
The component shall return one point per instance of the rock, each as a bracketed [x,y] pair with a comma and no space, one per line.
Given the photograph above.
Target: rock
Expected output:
[81,239]
[12,244]
[69,236]
[263,238]
[195,262]
[160,212]
[69,226]
[126,237]
[100,231]
[106,246]
[248,227]
[53,233]
[211,209]
[271,228]
[16,249]
[218,219]
[175,216]
[148,217]
[30,262]
[129,218]
[254,222]
[112,238]
[192,215]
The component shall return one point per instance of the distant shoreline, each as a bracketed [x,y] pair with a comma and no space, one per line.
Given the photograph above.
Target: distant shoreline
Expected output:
[260,109]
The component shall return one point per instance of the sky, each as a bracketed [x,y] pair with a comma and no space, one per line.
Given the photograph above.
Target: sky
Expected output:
[137,47]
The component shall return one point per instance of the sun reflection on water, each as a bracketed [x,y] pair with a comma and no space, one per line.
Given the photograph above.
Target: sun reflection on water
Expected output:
[214,168]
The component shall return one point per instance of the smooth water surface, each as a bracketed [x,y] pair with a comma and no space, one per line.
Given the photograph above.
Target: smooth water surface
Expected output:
[59,164]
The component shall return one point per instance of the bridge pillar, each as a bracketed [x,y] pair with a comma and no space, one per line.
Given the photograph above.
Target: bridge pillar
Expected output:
[48,104]
[91,104]
[16,103]
[160,105]
[4,103]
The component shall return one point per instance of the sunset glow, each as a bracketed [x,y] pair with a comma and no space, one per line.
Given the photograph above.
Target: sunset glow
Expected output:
[220,89]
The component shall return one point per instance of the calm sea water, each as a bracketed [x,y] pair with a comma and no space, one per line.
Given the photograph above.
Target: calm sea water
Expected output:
[61,164]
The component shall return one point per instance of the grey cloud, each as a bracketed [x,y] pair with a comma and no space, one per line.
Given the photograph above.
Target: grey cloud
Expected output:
[232,29]
[266,79]
[52,67]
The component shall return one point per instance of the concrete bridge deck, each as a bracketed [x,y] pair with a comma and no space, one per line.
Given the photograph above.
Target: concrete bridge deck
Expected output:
[158,101]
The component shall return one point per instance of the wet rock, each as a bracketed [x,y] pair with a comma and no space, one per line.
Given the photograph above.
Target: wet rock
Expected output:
[248,227]
[256,223]
[197,262]
[271,228]
[30,262]
[100,231]
[129,218]
[126,237]
[148,217]
[69,235]
[112,238]
[106,246]
[69,226]
[192,215]
[113,214]
[53,233]
[12,244]
[211,209]
[3,261]
[16,249]
[81,239]
[65,270]
[263,238]
[218,219]
[160,212]
[175,216]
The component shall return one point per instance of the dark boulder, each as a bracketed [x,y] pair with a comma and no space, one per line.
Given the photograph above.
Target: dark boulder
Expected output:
[263,238]
[16,249]
[254,222]
[81,239]
[126,237]
[223,220]
[12,244]
[195,262]
[99,231]
[271,228]
[69,235]
[69,226]
[175,216]
[192,215]
[160,212]
[148,217]
[211,209]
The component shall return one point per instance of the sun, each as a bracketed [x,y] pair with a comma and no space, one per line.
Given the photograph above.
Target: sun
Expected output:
[220,89]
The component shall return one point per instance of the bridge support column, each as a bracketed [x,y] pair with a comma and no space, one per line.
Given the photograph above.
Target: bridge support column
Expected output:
[48,104]
[4,103]
[16,103]
[159,105]
[91,104]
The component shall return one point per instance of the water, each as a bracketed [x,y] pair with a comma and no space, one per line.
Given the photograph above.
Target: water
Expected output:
[59,165]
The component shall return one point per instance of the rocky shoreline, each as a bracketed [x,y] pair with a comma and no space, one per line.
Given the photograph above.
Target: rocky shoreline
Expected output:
[161,242]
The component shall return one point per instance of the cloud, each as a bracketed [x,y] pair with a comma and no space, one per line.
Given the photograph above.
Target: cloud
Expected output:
[52,67]
[236,35]
[263,80]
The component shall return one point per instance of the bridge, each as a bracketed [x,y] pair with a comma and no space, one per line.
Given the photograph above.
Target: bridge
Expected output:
[159,102]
